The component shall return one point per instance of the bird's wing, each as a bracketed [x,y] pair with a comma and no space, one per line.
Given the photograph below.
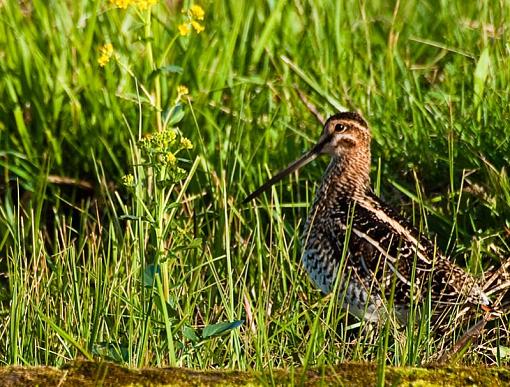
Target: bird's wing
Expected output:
[386,246]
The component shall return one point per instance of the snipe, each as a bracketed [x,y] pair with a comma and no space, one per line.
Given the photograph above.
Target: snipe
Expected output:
[351,233]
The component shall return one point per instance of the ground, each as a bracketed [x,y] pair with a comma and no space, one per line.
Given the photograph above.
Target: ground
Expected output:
[85,373]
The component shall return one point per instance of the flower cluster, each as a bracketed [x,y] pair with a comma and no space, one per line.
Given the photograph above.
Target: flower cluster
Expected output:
[181,91]
[158,142]
[128,180]
[106,52]
[141,4]
[193,13]
[160,149]
[186,143]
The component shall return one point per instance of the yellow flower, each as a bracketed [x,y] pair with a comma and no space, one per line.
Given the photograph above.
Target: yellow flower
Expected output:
[184,29]
[186,143]
[197,26]
[128,180]
[193,13]
[144,4]
[170,158]
[182,90]
[197,12]
[121,3]
[106,52]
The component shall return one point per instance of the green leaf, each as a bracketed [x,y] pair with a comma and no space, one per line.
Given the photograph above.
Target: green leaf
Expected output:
[220,328]
[112,351]
[130,217]
[190,333]
[169,69]
[174,115]
[148,275]
[480,75]
[23,132]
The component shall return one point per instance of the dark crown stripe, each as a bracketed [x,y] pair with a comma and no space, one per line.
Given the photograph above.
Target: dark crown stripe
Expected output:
[353,116]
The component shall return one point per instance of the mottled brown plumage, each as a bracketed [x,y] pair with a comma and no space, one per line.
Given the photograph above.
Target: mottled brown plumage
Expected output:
[351,234]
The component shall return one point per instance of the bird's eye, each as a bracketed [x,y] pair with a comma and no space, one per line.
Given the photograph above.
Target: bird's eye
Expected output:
[340,128]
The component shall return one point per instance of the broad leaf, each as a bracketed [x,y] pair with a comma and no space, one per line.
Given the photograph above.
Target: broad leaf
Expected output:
[220,328]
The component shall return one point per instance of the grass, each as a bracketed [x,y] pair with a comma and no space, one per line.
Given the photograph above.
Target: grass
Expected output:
[154,273]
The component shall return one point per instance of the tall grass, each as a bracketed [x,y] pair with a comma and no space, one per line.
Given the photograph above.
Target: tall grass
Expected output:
[144,279]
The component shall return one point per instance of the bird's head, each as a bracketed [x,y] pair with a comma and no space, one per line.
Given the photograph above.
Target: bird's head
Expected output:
[343,135]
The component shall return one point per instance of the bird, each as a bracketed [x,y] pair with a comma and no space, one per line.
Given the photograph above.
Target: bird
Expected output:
[353,237]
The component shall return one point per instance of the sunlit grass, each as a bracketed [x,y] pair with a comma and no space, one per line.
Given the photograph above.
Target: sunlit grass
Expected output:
[122,273]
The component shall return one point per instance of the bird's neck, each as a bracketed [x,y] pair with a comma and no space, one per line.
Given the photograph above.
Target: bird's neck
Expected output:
[346,176]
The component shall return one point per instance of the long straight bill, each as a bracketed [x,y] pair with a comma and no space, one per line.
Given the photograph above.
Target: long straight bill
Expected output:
[305,159]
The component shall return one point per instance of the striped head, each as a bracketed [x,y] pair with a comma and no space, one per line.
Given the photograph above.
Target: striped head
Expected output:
[344,133]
